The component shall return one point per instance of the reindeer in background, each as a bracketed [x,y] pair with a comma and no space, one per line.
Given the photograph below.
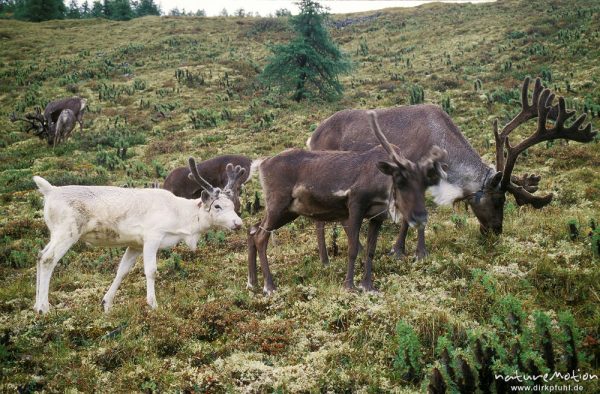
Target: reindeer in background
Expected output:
[58,120]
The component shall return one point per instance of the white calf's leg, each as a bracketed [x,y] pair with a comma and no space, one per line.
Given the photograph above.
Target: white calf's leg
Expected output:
[127,262]
[150,250]
[51,254]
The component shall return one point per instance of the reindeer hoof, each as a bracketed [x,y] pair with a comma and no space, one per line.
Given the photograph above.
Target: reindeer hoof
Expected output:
[268,290]
[421,255]
[106,305]
[397,254]
[41,309]
[368,287]
[350,287]
[152,304]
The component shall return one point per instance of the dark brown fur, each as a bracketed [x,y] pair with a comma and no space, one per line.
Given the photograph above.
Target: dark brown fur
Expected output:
[213,170]
[417,128]
[75,104]
[339,186]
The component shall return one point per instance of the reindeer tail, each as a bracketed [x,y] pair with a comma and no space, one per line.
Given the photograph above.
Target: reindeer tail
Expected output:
[254,167]
[43,185]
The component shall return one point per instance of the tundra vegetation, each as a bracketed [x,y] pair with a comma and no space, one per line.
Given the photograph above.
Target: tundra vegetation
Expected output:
[161,89]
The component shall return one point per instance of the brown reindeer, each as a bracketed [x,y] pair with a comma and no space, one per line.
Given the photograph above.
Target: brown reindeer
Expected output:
[58,120]
[342,186]
[54,109]
[214,171]
[419,127]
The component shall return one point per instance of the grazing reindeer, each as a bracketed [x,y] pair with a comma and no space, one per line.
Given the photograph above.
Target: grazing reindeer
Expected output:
[342,186]
[58,120]
[54,109]
[214,171]
[144,220]
[417,128]
[63,126]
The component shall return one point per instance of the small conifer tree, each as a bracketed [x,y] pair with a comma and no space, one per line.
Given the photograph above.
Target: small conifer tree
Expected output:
[311,62]
[40,10]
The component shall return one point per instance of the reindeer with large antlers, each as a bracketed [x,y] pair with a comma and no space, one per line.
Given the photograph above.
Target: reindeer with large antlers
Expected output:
[343,186]
[417,128]
[58,120]
[143,220]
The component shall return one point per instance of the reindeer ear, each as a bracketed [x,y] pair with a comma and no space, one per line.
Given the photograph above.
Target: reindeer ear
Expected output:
[205,196]
[494,180]
[434,164]
[387,168]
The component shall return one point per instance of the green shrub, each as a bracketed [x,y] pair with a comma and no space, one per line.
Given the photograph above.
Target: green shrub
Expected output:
[407,362]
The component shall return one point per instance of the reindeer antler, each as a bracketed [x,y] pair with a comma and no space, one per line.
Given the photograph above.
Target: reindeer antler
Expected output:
[194,175]
[233,174]
[541,107]
[36,122]
[395,156]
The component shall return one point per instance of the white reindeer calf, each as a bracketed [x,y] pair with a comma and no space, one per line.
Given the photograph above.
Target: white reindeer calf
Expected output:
[144,220]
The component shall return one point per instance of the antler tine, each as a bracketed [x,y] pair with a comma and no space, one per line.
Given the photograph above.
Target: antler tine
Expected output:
[527,182]
[29,118]
[527,111]
[383,140]
[499,147]
[574,132]
[196,176]
[542,133]
[233,174]
[523,197]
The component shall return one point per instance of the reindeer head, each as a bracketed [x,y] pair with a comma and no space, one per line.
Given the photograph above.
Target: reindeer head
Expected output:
[215,201]
[488,202]
[36,123]
[410,180]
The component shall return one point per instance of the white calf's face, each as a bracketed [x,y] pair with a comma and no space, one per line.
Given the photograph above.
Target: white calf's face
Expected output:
[222,213]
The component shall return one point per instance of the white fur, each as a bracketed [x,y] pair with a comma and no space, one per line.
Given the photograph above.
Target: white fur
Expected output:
[83,104]
[341,193]
[308,142]
[395,215]
[254,167]
[144,220]
[446,193]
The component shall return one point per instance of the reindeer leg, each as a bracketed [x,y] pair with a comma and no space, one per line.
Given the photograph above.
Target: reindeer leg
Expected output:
[345,226]
[352,226]
[399,248]
[367,282]
[321,242]
[275,218]
[126,264]
[252,277]
[262,240]
[421,249]
[150,250]
[51,254]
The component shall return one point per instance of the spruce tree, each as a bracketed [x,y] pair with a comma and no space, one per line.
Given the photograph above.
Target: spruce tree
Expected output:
[85,9]
[73,12]
[40,10]
[147,7]
[309,65]
[97,10]
[120,10]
